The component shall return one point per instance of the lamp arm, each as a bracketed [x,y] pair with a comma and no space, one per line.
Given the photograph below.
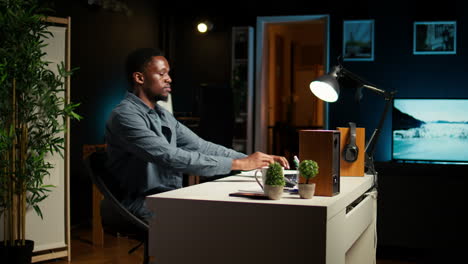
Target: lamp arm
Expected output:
[364,83]
[345,72]
[370,147]
[385,94]
[338,72]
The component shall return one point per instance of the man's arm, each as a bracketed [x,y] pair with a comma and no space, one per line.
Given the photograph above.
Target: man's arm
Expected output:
[152,146]
[187,139]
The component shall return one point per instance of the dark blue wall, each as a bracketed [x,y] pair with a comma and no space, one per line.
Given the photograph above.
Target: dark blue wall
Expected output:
[418,205]
[200,59]
[414,200]
[396,68]
[100,41]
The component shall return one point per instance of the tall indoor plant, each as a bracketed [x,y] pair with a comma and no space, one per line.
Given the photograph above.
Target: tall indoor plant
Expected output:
[30,112]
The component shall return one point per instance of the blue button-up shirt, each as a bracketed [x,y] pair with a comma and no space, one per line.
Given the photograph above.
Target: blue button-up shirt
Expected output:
[148,148]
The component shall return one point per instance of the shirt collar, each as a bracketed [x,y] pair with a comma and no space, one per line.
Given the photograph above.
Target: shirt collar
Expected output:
[136,100]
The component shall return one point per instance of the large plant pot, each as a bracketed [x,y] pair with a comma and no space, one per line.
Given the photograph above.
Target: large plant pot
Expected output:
[17,254]
[4,252]
[273,192]
[306,191]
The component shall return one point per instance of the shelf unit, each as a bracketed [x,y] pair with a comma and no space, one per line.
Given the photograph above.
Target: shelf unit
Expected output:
[242,87]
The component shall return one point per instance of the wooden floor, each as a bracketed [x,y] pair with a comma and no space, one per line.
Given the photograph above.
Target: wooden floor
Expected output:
[115,251]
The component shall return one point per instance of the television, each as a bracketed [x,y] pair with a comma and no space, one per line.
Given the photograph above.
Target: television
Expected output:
[430,130]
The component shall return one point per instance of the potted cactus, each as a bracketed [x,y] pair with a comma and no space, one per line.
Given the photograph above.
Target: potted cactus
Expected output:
[274,181]
[308,169]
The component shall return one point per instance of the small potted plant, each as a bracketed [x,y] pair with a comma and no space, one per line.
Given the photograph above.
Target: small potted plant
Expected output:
[308,169]
[274,181]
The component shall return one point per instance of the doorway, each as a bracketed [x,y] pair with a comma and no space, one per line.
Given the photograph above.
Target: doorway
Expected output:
[291,52]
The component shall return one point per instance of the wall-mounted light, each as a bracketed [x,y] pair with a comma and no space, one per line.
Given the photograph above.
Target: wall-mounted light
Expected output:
[204,27]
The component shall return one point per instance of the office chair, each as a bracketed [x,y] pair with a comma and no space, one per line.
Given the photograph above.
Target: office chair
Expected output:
[114,216]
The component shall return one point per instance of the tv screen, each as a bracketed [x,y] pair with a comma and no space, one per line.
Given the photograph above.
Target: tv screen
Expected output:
[431,130]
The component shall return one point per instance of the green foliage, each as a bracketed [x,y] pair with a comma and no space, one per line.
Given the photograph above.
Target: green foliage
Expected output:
[275,175]
[33,108]
[308,169]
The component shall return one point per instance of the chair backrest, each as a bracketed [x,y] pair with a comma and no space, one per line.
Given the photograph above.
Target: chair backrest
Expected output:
[114,214]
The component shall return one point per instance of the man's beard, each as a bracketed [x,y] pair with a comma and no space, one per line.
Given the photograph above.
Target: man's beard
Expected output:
[160,97]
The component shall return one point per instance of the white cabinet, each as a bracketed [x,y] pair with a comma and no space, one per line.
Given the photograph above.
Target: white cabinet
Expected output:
[226,229]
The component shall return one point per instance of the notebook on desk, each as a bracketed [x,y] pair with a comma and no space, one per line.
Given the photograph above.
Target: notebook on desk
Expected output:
[252,172]
[251,195]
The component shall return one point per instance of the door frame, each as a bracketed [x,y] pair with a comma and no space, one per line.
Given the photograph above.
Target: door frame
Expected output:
[261,98]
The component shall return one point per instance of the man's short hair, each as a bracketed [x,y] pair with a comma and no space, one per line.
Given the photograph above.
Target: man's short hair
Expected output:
[137,60]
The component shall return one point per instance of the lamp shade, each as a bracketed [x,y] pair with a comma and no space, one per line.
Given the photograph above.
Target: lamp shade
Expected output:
[326,88]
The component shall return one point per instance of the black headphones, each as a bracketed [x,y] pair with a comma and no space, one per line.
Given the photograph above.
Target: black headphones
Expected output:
[351,151]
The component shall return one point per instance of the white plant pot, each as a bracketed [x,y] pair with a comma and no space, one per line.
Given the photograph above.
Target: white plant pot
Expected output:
[306,191]
[273,192]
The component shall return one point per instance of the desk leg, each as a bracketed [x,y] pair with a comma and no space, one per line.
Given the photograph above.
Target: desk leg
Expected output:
[193,179]
[98,232]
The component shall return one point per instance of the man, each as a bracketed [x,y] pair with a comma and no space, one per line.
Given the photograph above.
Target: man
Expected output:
[149,149]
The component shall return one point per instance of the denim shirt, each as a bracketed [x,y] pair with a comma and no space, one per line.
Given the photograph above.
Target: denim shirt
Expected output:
[148,148]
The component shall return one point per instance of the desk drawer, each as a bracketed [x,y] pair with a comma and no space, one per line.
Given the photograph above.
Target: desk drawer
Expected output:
[357,220]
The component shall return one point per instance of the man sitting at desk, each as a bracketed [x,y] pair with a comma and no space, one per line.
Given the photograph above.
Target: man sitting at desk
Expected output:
[149,149]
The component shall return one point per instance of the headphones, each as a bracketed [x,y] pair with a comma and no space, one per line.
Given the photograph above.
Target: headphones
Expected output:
[351,151]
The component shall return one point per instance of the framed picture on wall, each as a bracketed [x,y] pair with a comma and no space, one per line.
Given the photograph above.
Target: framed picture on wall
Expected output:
[358,40]
[438,37]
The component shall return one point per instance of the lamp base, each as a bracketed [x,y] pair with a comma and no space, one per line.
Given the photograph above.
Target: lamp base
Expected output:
[370,168]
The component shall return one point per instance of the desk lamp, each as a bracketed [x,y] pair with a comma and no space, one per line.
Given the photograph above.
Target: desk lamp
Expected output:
[327,88]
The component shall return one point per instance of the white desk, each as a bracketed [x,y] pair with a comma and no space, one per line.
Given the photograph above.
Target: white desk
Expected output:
[202,224]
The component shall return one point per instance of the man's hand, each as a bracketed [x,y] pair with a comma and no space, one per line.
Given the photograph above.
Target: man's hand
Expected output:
[281,160]
[258,160]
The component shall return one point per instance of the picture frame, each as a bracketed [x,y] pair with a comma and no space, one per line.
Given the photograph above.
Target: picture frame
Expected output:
[435,38]
[358,40]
